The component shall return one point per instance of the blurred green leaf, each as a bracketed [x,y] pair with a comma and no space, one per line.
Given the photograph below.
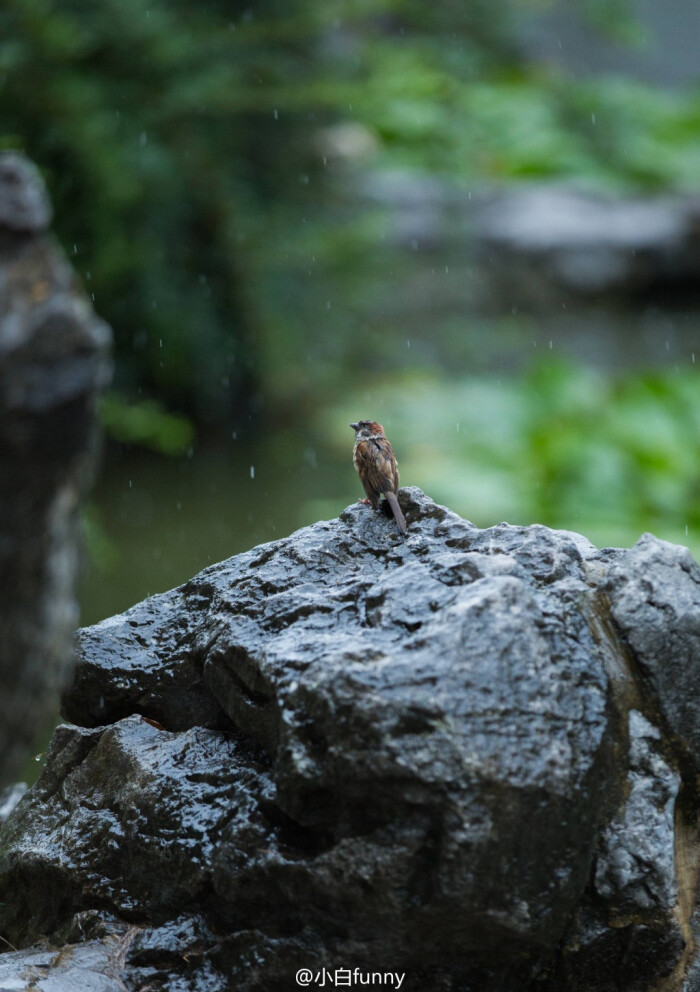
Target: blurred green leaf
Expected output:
[145,423]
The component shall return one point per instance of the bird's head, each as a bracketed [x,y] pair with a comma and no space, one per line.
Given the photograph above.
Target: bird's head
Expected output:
[365,429]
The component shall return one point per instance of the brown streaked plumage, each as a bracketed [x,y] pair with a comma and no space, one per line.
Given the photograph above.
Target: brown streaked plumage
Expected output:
[375,462]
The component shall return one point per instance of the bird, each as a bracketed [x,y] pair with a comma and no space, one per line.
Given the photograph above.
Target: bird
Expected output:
[375,462]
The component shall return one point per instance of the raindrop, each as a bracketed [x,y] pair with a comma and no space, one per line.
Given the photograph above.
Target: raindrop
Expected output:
[178,505]
[408,342]
[88,274]
[550,345]
[275,115]
[252,471]
[328,304]
[143,139]
[160,343]
[686,530]
[325,160]
[447,268]
[93,297]
[130,483]
[234,434]
[457,425]
[75,249]
[304,179]
[692,356]
[593,118]
[667,348]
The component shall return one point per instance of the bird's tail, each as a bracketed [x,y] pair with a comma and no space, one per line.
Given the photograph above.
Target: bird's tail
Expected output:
[396,510]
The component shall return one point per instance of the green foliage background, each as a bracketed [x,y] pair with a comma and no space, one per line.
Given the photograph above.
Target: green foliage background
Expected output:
[197,156]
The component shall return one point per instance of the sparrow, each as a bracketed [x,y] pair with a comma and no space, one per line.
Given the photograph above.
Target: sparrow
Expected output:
[375,462]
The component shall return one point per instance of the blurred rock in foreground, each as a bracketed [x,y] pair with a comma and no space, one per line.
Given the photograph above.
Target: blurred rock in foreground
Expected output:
[470,757]
[54,359]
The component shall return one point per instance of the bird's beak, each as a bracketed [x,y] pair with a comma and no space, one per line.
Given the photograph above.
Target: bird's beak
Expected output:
[355,427]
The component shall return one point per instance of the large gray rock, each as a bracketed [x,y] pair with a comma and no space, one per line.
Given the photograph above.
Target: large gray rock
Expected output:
[53,363]
[432,755]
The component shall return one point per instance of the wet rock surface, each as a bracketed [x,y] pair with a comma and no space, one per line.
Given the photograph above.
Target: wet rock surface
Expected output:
[635,867]
[54,361]
[441,756]
[654,602]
